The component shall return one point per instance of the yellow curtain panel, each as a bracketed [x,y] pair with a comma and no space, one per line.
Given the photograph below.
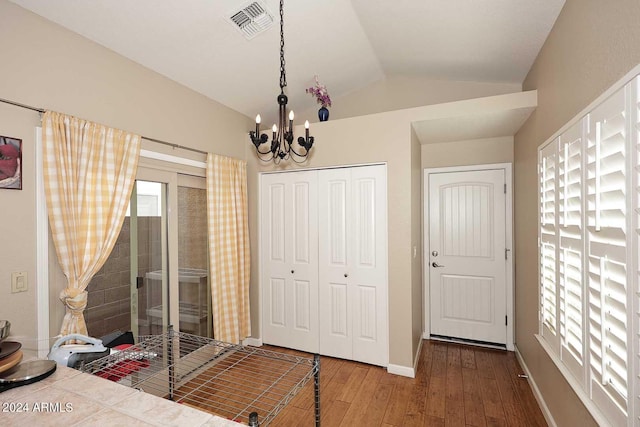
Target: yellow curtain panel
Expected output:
[228,223]
[89,171]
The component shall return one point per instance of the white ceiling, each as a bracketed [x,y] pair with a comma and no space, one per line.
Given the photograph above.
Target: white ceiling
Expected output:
[349,44]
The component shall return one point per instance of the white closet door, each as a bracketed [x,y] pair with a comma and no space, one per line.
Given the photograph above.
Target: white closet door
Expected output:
[353,264]
[290,260]
[335,294]
[368,266]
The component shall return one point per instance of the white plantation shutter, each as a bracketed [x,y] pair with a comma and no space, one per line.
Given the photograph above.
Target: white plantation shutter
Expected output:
[589,255]
[548,243]
[606,240]
[571,249]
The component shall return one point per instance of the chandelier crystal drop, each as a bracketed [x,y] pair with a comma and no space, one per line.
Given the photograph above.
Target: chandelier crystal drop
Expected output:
[282,146]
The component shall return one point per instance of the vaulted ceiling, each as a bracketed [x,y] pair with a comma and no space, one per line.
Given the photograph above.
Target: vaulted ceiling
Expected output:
[348,43]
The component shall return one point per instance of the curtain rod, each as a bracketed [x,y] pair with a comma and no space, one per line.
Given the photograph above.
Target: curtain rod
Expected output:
[41,111]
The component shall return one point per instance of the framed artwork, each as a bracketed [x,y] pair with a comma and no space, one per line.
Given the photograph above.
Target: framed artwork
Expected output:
[10,163]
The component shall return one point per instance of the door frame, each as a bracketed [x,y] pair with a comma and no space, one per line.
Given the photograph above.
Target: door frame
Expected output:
[172,179]
[507,168]
[169,247]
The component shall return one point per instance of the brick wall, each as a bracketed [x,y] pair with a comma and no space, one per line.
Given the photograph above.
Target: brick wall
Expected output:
[109,304]
[109,301]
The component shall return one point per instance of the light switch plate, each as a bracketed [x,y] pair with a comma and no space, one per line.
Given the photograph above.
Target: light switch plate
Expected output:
[19,282]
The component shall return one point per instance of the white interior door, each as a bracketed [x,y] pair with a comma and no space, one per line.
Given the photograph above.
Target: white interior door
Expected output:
[353,263]
[368,267]
[335,294]
[290,260]
[467,255]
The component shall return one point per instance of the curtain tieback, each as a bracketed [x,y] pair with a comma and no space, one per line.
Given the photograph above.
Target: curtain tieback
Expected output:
[75,300]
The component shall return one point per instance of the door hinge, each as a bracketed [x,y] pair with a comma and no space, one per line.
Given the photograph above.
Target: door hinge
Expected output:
[506,253]
[505,189]
[505,321]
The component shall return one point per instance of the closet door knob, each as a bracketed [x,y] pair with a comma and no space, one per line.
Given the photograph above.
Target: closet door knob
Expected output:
[346,275]
[292,271]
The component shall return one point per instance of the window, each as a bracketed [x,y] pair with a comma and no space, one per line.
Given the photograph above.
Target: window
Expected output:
[588,208]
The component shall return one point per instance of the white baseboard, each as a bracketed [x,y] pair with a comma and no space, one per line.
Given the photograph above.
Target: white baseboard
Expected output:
[253,342]
[404,371]
[426,336]
[536,391]
[417,359]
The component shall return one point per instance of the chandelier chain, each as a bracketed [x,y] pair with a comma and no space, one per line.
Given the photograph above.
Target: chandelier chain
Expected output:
[283,75]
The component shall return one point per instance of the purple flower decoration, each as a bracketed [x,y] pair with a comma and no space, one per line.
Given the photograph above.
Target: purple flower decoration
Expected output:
[320,92]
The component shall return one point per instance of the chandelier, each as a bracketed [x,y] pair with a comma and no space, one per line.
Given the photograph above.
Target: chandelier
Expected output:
[282,146]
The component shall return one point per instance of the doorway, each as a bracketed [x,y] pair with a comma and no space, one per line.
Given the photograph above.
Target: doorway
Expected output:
[467,257]
[157,274]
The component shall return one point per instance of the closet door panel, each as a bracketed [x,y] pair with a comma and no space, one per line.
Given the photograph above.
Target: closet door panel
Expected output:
[353,258]
[277,303]
[368,267]
[335,293]
[276,212]
[290,260]
[302,303]
[275,320]
[338,315]
[302,214]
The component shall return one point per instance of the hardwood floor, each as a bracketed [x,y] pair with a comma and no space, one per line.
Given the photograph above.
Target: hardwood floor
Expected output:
[455,385]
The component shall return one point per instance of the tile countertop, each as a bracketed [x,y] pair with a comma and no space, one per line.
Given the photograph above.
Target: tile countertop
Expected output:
[69,397]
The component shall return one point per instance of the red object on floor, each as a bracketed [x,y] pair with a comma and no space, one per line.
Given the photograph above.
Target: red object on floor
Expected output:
[124,368]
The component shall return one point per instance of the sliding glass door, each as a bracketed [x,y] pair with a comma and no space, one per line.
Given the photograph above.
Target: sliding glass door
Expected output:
[150,211]
[171,280]
[149,258]
[194,297]
[158,274]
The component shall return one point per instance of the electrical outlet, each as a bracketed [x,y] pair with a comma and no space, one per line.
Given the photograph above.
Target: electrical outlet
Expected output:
[19,282]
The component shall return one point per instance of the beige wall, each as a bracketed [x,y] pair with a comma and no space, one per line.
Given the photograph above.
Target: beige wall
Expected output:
[417,312]
[593,44]
[18,231]
[401,92]
[463,153]
[50,67]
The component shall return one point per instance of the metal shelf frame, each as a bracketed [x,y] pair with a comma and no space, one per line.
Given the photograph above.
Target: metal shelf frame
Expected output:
[232,381]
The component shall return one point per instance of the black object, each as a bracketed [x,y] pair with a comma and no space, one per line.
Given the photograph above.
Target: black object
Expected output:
[26,373]
[8,348]
[77,360]
[282,146]
[253,419]
[316,387]
[117,338]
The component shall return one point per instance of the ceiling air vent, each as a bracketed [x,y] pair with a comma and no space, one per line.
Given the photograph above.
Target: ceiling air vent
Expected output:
[252,19]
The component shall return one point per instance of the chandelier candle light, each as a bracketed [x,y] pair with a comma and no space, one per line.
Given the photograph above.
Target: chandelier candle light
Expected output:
[282,146]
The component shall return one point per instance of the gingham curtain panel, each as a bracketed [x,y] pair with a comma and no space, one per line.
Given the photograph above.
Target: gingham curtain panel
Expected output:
[229,258]
[89,171]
